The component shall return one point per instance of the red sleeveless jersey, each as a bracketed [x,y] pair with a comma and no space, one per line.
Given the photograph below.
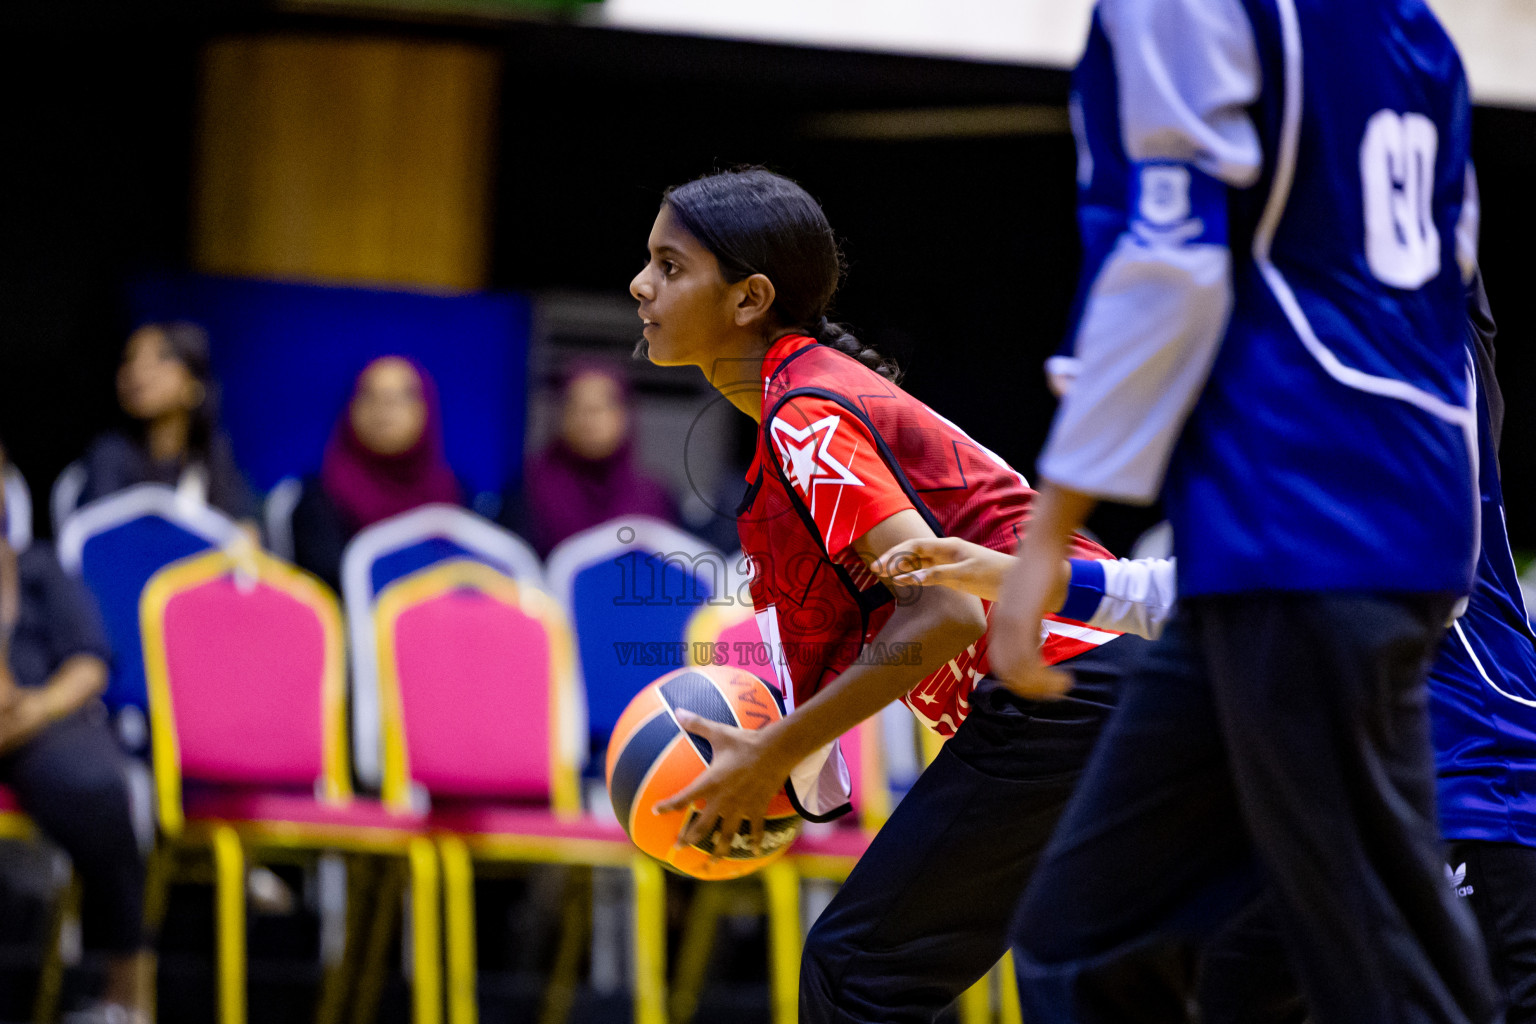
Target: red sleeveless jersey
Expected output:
[841,449]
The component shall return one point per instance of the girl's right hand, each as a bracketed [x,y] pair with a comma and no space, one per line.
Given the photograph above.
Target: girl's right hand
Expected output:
[945,561]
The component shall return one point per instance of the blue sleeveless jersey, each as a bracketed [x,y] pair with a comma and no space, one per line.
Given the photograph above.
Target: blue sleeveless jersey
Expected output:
[1483,684]
[1332,445]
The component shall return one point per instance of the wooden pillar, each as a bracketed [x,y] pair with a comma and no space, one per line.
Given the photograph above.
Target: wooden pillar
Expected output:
[361,160]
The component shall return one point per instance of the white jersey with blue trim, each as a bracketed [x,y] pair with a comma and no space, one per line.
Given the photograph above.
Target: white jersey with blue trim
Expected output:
[1268,332]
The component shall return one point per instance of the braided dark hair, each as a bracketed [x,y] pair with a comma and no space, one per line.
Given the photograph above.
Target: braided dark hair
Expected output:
[756,222]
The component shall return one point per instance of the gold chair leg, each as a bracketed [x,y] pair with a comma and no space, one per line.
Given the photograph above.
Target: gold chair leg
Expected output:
[50,979]
[575,930]
[426,932]
[386,910]
[339,977]
[650,941]
[229,898]
[1008,1009]
[693,951]
[459,918]
[781,885]
[975,1004]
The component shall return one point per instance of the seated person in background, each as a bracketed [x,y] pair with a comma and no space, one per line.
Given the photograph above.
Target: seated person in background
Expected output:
[165,386]
[385,457]
[59,758]
[588,474]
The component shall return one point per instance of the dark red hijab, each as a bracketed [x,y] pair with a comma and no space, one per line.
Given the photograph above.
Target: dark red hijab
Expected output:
[565,492]
[366,486]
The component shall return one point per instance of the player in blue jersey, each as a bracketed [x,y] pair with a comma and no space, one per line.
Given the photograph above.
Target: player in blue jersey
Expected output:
[1482,690]
[1270,338]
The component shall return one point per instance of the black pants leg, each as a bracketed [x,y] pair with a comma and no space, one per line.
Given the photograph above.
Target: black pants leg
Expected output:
[1500,887]
[925,912]
[72,780]
[1297,727]
[1245,975]
[1149,859]
[1324,699]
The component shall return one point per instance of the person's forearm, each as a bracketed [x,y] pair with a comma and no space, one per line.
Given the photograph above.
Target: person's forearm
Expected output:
[938,626]
[1056,515]
[77,680]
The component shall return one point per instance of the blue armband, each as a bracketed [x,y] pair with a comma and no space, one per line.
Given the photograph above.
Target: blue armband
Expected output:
[1084,590]
[1173,204]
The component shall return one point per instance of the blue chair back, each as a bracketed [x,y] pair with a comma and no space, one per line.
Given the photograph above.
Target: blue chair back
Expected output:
[630,587]
[115,545]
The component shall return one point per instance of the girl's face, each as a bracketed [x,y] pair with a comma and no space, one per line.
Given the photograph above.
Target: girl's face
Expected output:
[594,421]
[388,412]
[151,381]
[687,306]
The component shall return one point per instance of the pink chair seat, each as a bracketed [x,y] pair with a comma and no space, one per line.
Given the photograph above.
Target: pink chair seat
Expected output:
[501,820]
[303,810]
[838,842]
[8,804]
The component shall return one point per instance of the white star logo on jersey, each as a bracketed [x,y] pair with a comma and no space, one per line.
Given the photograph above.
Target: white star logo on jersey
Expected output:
[809,459]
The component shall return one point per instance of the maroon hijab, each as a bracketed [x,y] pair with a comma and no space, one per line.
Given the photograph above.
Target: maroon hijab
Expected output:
[566,493]
[366,486]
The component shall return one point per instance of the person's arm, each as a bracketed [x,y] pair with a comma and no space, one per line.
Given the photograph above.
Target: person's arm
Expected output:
[32,709]
[1124,595]
[952,562]
[749,767]
[10,613]
[78,647]
[1186,72]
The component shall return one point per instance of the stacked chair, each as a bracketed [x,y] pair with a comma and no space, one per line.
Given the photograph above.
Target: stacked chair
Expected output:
[629,581]
[395,548]
[245,666]
[483,687]
[479,713]
[116,544]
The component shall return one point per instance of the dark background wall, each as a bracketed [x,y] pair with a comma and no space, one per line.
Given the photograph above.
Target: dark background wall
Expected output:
[962,251]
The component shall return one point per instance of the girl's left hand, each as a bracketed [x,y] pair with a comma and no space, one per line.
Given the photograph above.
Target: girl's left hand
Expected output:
[743,776]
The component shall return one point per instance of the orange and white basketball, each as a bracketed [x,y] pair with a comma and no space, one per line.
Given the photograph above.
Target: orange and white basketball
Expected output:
[650,758]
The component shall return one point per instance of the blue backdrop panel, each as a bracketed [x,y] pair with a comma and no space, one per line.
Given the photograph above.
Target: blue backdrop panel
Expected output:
[287,355]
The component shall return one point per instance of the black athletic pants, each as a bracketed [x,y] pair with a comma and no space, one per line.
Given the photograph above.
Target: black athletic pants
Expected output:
[1247,979]
[1274,743]
[1500,887]
[925,912]
[72,780]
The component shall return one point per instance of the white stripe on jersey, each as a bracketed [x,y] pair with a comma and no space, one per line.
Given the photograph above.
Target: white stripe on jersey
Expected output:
[1264,235]
[1484,672]
[1072,631]
[768,627]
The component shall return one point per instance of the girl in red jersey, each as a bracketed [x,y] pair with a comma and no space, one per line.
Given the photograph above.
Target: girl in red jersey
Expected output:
[742,267]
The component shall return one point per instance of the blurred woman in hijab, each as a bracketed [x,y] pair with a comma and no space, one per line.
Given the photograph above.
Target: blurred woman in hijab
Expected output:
[589,473]
[385,457]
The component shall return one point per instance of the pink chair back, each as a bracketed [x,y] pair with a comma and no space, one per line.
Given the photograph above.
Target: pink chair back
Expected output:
[474,677]
[245,675]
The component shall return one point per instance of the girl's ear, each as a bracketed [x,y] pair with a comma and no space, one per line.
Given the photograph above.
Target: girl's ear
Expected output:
[754,297]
